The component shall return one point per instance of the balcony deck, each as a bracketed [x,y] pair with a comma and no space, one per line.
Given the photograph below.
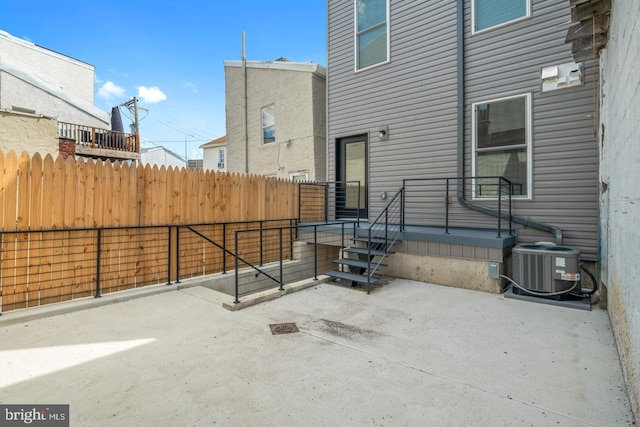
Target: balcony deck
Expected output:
[101,143]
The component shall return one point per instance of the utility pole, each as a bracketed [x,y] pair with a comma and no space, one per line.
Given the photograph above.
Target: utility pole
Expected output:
[133,105]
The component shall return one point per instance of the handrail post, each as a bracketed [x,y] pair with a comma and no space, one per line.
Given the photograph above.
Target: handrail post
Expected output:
[326,202]
[510,213]
[358,211]
[281,277]
[315,252]
[98,256]
[292,239]
[402,199]
[169,255]
[499,206]
[237,301]
[369,262]
[300,201]
[386,227]
[261,244]
[446,207]
[178,254]
[224,248]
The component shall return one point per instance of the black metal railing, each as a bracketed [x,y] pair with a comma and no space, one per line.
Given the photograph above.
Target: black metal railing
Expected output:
[270,253]
[331,201]
[40,267]
[210,248]
[384,232]
[430,202]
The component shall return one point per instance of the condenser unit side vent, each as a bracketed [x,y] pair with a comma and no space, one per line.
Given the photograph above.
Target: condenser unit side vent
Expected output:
[547,269]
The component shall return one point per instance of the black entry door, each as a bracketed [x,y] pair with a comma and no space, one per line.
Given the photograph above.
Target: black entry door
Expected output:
[351,177]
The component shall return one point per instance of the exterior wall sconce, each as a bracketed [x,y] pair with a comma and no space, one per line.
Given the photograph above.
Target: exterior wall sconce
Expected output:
[383,133]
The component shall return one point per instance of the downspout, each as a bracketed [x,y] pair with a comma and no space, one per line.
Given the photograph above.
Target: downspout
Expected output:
[246,114]
[528,222]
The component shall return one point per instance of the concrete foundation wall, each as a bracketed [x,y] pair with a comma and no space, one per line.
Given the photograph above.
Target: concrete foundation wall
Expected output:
[460,273]
[620,192]
[27,132]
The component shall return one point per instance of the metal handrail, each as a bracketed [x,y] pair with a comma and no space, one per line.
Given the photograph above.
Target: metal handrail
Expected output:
[384,221]
[339,196]
[501,182]
[280,229]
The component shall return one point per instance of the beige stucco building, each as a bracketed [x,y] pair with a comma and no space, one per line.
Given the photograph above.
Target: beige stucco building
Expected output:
[276,123]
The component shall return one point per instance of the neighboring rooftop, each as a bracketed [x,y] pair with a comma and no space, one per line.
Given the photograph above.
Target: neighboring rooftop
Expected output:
[281,64]
[219,141]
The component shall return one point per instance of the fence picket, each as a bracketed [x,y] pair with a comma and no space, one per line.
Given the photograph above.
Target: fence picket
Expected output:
[53,193]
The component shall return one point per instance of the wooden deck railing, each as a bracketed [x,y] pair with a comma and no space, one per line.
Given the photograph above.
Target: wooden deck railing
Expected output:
[91,137]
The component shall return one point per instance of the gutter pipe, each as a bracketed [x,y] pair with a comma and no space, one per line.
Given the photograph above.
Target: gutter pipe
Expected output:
[527,222]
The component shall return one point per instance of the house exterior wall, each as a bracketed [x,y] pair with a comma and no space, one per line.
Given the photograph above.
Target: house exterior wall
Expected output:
[211,156]
[620,193]
[28,132]
[17,92]
[415,95]
[74,76]
[299,108]
[162,157]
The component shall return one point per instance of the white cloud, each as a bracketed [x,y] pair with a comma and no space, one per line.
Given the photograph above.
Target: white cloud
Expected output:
[151,95]
[192,87]
[110,90]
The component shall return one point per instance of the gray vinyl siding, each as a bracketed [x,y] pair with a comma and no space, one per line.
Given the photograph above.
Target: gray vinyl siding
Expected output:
[415,95]
[508,61]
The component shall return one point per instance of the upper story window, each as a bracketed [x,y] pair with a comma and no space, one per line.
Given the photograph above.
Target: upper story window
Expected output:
[502,145]
[492,13]
[269,124]
[372,33]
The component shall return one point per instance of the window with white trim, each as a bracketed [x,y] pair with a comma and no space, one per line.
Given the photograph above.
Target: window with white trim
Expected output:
[502,145]
[221,155]
[372,32]
[492,13]
[300,176]
[268,124]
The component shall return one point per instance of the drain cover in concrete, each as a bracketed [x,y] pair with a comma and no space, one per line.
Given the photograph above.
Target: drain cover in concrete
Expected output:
[283,328]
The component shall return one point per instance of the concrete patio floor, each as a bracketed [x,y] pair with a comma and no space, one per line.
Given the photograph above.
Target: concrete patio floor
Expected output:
[409,354]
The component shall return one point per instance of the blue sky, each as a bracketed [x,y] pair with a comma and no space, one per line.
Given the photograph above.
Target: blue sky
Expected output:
[170,54]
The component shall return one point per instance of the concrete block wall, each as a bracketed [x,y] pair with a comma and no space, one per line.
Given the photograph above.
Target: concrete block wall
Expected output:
[620,190]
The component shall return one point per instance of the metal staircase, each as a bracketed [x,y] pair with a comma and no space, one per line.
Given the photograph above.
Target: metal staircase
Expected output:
[371,249]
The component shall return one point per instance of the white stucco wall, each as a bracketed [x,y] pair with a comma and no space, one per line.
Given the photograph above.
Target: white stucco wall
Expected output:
[620,181]
[17,92]
[161,157]
[299,118]
[73,75]
[28,132]
[211,157]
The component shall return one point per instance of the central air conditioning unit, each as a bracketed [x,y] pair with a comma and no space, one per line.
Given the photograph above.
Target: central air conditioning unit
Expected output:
[543,268]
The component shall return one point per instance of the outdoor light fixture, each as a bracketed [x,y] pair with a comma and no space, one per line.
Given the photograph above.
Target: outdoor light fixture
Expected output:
[383,133]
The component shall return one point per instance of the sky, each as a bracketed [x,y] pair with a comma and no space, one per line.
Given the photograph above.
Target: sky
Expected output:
[169,54]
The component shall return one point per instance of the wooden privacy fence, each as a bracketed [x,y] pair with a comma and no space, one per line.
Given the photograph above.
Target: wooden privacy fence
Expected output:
[39,193]
[51,212]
